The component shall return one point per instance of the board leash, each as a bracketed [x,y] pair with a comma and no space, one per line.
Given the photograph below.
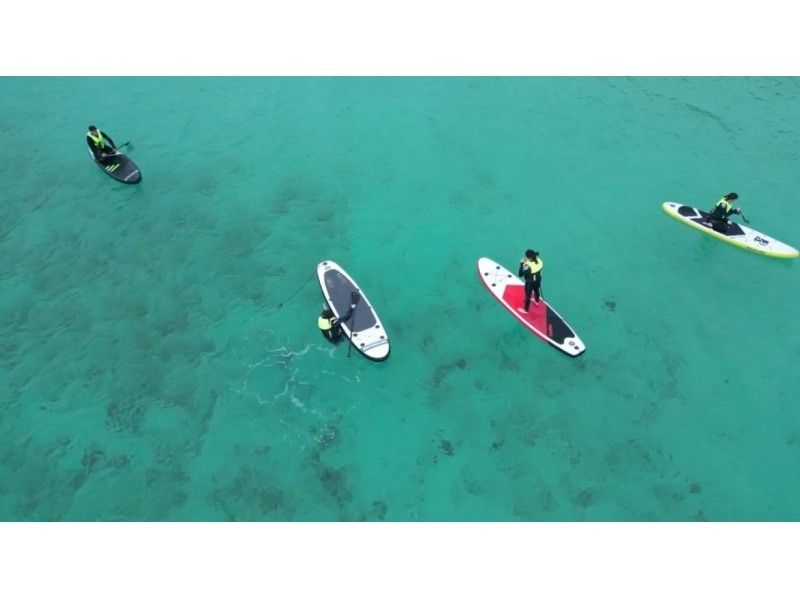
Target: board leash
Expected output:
[293,293]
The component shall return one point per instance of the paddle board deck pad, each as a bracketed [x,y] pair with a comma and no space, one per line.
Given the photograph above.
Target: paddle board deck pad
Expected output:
[541,319]
[364,328]
[119,167]
[737,234]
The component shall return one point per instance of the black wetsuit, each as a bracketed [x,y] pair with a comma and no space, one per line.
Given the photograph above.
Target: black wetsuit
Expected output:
[334,333]
[718,217]
[110,147]
[533,283]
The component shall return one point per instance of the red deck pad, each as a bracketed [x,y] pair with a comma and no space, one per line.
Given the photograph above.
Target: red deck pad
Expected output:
[536,317]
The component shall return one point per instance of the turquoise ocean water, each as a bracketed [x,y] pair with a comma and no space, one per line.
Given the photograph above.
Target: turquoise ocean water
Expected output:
[146,372]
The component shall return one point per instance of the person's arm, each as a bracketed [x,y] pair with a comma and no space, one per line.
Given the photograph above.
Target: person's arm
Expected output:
[90,143]
[110,141]
[521,269]
[355,297]
[348,315]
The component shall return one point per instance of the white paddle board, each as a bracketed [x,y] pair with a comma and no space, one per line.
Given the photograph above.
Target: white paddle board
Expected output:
[737,234]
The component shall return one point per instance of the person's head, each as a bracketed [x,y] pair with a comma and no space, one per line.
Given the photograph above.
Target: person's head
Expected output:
[731,197]
[92,129]
[327,313]
[531,255]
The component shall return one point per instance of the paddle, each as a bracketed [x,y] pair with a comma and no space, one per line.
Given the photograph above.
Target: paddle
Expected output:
[116,151]
[119,147]
[355,297]
[746,221]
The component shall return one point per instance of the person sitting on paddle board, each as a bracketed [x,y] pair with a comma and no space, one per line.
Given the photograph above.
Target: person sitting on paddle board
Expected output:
[102,145]
[330,325]
[718,217]
[531,268]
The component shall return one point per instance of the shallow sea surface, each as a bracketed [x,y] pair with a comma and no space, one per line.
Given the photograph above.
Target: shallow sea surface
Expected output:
[159,356]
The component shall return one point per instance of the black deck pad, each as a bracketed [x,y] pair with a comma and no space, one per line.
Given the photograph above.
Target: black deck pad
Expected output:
[121,168]
[557,328]
[340,290]
[734,230]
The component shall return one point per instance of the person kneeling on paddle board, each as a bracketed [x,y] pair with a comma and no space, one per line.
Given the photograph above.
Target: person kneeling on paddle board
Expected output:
[330,325]
[102,145]
[531,268]
[718,217]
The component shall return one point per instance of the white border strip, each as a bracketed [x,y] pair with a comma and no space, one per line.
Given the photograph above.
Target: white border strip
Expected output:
[363,37]
[618,560]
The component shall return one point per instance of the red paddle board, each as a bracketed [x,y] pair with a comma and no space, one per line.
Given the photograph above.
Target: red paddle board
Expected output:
[544,321]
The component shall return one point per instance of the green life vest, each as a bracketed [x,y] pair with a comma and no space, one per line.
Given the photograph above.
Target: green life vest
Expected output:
[725,204]
[534,267]
[324,323]
[98,140]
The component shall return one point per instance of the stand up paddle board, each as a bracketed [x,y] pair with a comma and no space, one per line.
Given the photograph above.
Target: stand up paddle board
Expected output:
[737,234]
[542,319]
[364,328]
[119,167]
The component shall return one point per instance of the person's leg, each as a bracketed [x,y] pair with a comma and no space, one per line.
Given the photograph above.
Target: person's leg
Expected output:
[721,226]
[711,219]
[536,286]
[528,291]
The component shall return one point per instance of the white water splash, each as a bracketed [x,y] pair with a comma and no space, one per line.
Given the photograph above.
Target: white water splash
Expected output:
[285,360]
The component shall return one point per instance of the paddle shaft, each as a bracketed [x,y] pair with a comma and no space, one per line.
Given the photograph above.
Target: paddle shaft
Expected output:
[119,147]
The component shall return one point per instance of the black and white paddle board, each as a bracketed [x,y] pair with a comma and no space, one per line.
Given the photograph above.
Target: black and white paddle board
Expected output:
[364,328]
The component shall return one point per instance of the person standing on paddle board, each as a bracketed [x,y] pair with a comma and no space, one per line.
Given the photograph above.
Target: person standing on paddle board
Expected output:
[530,267]
[718,217]
[102,145]
[330,325]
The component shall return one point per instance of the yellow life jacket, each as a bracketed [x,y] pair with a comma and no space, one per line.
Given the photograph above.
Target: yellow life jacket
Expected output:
[726,204]
[98,140]
[324,323]
[534,267]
